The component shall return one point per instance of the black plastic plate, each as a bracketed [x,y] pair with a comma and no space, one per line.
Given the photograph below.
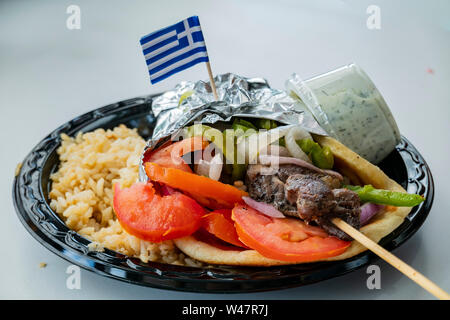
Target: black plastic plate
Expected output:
[32,185]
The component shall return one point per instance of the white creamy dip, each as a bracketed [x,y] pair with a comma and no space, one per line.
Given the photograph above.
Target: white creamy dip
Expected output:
[349,107]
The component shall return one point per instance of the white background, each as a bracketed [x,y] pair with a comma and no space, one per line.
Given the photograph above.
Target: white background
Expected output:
[49,74]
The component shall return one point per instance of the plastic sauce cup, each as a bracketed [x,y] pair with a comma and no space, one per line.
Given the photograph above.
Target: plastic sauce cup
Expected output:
[349,108]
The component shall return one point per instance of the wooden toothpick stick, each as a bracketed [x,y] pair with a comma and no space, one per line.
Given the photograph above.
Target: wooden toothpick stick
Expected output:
[407,270]
[211,80]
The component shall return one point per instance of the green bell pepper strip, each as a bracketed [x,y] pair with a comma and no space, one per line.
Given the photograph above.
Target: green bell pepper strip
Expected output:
[307,145]
[282,142]
[244,123]
[230,151]
[220,140]
[324,158]
[240,128]
[321,157]
[196,130]
[392,198]
[229,146]
[266,124]
[243,128]
[211,134]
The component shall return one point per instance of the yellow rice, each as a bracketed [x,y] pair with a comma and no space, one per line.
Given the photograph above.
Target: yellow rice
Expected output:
[82,192]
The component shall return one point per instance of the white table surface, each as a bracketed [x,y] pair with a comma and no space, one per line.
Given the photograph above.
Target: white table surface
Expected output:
[49,74]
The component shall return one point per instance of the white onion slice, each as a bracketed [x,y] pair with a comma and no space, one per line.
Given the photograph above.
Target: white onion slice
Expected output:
[249,147]
[274,160]
[264,208]
[211,169]
[297,133]
[208,151]
[275,150]
[368,210]
[202,168]
[215,167]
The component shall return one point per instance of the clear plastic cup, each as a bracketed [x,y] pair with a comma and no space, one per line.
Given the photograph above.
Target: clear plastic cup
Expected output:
[350,108]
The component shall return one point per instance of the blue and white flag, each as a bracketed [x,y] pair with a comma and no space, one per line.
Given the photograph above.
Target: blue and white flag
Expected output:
[173,49]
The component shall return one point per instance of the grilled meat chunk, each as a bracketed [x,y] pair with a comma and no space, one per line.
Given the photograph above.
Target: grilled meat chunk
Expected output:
[263,184]
[311,195]
[300,192]
[316,202]
[347,208]
[287,170]
[347,202]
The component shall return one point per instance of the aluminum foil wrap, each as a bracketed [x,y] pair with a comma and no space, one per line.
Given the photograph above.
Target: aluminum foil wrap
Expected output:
[238,97]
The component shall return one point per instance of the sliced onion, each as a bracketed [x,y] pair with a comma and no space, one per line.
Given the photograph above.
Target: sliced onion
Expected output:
[263,207]
[274,160]
[211,169]
[368,210]
[208,151]
[215,167]
[202,168]
[248,147]
[275,150]
[294,134]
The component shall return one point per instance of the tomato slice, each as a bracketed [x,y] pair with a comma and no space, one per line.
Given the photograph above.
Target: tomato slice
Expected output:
[204,236]
[210,203]
[219,223]
[148,216]
[284,239]
[168,162]
[195,185]
[171,155]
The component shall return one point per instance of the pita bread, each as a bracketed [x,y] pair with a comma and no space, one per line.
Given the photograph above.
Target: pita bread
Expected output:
[346,160]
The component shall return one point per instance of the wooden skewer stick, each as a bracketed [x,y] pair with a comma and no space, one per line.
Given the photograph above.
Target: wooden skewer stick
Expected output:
[407,270]
[211,80]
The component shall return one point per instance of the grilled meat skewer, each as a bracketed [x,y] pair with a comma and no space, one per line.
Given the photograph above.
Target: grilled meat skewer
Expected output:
[305,194]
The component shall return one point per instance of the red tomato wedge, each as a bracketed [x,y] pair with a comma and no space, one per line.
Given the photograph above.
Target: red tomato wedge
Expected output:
[219,223]
[170,156]
[285,239]
[195,185]
[206,237]
[210,203]
[148,216]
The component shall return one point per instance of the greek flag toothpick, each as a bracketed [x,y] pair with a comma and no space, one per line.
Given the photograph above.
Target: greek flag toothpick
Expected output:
[174,49]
